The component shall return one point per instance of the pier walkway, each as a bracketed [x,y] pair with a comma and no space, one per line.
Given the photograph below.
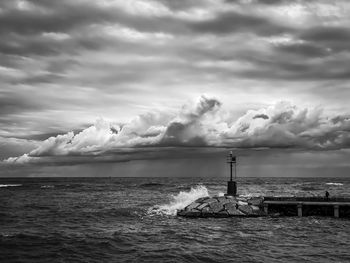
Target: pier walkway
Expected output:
[304,206]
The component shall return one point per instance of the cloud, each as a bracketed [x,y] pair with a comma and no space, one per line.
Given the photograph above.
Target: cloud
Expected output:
[65,63]
[230,22]
[262,116]
[202,124]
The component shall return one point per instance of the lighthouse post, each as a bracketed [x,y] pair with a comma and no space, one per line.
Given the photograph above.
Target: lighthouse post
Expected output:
[232,184]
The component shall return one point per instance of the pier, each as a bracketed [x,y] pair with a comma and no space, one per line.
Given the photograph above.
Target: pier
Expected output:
[233,205]
[307,206]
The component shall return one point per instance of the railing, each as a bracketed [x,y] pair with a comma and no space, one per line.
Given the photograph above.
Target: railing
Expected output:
[308,199]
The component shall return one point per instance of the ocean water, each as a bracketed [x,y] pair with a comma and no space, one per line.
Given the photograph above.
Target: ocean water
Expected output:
[133,220]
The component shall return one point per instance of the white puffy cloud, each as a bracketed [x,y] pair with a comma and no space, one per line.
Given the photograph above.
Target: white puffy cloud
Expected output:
[204,123]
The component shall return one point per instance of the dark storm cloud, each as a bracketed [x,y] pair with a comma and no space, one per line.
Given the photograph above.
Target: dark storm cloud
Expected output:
[230,22]
[11,103]
[73,61]
[335,39]
[305,49]
[327,34]
[266,2]
[55,18]
[25,28]
[183,5]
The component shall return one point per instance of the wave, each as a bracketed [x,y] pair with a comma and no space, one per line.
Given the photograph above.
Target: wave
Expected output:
[338,184]
[150,185]
[180,201]
[47,186]
[9,185]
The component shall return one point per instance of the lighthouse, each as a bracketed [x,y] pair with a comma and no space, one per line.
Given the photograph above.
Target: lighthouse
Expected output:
[232,184]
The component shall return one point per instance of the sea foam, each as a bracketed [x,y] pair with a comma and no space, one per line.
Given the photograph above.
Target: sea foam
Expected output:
[338,184]
[9,185]
[180,201]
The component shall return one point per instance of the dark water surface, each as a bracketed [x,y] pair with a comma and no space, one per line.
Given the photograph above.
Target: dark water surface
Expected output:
[132,220]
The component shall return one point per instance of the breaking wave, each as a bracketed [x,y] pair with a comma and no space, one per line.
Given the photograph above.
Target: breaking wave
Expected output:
[339,184]
[179,201]
[9,185]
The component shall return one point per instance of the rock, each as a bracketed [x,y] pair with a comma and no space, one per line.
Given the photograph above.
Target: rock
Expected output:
[257,201]
[192,205]
[231,200]
[192,213]
[216,207]
[221,199]
[235,212]
[246,209]
[222,214]
[211,200]
[202,206]
[222,206]
[206,212]
[202,199]
[230,206]
[242,203]
[232,211]
[255,208]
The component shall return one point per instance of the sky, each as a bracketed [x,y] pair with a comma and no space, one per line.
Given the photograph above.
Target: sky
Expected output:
[168,88]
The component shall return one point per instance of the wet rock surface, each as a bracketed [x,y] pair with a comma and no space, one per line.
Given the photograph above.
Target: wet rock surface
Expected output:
[224,206]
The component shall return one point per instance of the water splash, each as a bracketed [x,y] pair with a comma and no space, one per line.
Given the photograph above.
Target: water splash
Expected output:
[180,201]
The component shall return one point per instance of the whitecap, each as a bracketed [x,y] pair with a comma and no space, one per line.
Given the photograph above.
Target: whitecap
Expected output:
[336,184]
[9,185]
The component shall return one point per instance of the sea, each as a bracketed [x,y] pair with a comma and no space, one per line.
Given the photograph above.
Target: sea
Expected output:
[134,220]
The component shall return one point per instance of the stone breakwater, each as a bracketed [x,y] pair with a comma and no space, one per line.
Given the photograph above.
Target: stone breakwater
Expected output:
[224,206]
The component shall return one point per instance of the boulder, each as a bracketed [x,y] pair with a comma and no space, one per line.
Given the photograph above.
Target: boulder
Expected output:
[235,212]
[242,203]
[192,205]
[202,206]
[202,199]
[231,200]
[222,214]
[211,200]
[230,206]
[257,201]
[216,207]
[223,206]
[255,208]
[192,213]
[246,209]
[232,211]
[243,199]
[206,212]
[221,199]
